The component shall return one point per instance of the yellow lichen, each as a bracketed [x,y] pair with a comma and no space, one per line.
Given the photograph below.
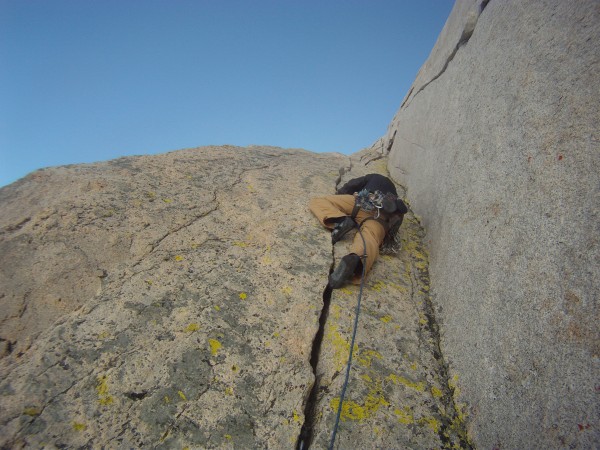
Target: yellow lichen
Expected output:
[431,422]
[215,346]
[182,395]
[32,411]
[192,327]
[378,286]
[398,287]
[437,393]
[77,426]
[365,357]
[178,258]
[366,378]
[104,398]
[422,265]
[335,311]
[243,296]
[404,416]
[397,379]
[386,319]
[357,412]
[340,346]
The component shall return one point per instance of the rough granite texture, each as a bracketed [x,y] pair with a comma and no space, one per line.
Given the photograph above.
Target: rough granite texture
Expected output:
[398,394]
[162,301]
[178,301]
[172,301]
[498,146]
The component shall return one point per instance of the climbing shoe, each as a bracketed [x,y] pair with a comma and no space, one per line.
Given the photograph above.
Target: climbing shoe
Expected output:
[341,228]
[344,271]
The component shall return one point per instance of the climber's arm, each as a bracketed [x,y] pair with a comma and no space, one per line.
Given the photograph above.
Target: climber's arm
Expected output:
[354,185]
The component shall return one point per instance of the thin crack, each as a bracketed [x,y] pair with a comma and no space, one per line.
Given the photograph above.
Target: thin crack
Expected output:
[464,38]
[342,171]
[173,424]
[450,421]
[157,243]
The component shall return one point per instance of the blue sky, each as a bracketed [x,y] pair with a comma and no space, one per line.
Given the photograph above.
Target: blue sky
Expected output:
[84,81]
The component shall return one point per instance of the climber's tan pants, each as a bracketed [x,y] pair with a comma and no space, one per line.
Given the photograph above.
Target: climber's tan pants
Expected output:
[335,206]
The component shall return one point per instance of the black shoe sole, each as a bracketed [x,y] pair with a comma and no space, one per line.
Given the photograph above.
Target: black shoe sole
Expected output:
[344,271]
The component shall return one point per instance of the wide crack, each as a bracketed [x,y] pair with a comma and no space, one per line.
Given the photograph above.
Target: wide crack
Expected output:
[452,427]
[310,409]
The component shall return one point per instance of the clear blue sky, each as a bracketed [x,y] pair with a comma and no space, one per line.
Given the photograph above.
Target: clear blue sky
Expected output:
[84,81]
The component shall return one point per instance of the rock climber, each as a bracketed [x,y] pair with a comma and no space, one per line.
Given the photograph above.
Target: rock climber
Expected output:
[370,203]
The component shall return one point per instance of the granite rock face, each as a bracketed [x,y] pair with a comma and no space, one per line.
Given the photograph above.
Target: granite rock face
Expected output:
[498,146]
[162,301]
[175,301]
[399,395]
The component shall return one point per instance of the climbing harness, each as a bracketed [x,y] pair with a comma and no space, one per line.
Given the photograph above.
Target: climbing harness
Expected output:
[392,206]
[371,201]
[349,364]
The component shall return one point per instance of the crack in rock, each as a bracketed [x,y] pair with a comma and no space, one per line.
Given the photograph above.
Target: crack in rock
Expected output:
[464,38]
[310,411]
[306,433]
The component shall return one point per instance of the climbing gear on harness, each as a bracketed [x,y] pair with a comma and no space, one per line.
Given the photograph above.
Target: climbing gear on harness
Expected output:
[341,229]
[355,328]
[367,201]
[391,243]
[371,201]
[344,271]
[394,210]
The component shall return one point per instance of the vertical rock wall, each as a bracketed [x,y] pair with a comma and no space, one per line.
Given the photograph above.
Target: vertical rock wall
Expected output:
[498,145]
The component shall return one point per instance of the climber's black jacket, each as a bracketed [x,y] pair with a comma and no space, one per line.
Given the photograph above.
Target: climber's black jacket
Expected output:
[375,182]
[372,182]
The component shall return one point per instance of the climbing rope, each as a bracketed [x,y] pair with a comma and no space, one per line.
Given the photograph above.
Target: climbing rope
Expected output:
[349,365]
